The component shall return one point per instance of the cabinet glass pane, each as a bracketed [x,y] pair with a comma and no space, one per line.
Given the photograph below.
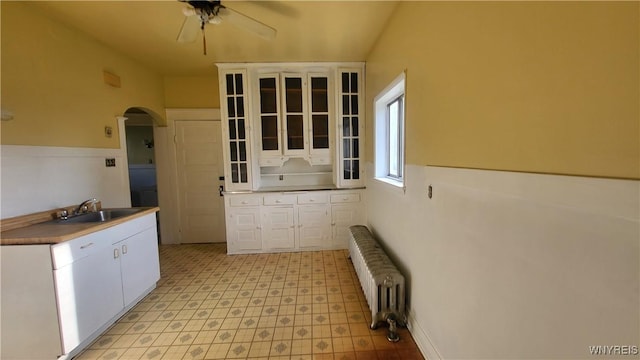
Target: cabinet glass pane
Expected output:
[346,129]
[243,172]
[269,132]
[345,105]
[320,131]
[354,82]
[243,150]
[240,106]
[319,97]
[345,82]
[355,174]
[231,109]
[232,129]
[354,125]
[241,133]
[239,90]
[355,148]
[234,173]
[354,104]
[347,170]
[293,90]
[268,101]
[346,148]
[233,150]
[295,132]
[230,87]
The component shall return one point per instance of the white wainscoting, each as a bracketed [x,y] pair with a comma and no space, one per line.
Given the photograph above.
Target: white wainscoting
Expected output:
[39,178]
[504,265]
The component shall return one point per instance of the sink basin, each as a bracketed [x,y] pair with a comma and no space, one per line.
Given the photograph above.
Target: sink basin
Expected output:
[100,216]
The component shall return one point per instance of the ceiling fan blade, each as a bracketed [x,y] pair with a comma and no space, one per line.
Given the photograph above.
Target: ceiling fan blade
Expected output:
[245,22]
[190,29]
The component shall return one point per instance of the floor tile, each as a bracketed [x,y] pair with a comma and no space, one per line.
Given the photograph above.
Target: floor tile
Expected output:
[208,305]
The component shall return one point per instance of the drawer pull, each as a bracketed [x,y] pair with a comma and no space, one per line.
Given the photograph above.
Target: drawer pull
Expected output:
[244,202]
[124,249]
[278,201]
[86,245]
[116,253]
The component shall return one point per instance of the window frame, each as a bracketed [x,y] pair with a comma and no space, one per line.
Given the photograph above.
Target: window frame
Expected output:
[393,93]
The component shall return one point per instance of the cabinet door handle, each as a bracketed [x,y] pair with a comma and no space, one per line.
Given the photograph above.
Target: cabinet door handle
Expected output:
[86,245]
[124,249]
[116,253]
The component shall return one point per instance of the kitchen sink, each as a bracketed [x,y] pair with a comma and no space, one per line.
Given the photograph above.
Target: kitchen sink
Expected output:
[100,216]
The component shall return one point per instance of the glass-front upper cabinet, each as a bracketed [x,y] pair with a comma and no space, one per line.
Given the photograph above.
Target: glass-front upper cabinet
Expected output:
[350,144]
[319,118]
[235,125]
[293,113]
[269,115]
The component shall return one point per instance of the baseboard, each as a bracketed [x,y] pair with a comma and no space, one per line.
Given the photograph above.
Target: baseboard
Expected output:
[421,338]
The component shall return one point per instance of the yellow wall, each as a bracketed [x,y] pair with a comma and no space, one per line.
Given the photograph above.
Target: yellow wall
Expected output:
[52,80]
[191,91]
[535,87]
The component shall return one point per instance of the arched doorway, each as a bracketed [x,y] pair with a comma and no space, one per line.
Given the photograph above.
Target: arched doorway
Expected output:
[141,159]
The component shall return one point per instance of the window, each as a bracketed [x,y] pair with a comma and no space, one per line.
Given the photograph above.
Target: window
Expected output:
[389,133]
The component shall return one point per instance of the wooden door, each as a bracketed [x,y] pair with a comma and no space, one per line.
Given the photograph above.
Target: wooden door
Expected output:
[200,170]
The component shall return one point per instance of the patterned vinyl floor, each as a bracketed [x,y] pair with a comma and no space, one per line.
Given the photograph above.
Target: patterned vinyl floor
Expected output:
[209,305]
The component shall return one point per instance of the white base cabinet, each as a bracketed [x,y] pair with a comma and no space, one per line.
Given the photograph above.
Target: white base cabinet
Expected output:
[93,280]
[291,221]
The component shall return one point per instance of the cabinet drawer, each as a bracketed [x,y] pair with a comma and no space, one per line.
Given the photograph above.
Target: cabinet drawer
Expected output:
[345,198]
[73,250]
[313,198]
[280,199]
[244,200]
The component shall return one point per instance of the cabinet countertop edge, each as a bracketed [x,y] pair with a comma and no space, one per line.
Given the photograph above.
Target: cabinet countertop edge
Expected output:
[289,190]
[49,233]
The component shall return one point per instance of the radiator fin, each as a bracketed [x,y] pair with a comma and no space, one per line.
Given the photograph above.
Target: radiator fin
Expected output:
[382,283]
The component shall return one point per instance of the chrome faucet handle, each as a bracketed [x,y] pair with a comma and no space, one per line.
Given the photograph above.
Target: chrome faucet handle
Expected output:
[64,214]
[83,207]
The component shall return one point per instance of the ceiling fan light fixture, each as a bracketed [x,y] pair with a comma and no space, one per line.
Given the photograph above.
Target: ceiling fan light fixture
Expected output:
[215,20]
[188,11]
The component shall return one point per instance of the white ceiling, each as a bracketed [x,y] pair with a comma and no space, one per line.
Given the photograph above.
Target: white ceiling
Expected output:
[307,31]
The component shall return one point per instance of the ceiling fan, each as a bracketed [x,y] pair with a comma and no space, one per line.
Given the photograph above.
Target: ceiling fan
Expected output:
[202,12]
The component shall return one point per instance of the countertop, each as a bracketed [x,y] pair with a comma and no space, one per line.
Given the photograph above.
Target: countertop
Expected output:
[49,232]
[283,189]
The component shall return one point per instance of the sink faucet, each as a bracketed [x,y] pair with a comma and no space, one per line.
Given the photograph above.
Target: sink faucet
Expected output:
[84,206]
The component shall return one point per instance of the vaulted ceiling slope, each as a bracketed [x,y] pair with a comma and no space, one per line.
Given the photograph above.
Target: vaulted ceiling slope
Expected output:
[306,31]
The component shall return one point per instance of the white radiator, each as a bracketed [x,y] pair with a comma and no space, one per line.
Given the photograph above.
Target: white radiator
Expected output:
[382,283]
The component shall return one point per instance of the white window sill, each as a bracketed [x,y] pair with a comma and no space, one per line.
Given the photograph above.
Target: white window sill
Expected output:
[399,185]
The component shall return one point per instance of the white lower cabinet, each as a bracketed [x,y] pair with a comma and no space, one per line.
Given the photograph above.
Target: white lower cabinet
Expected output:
[313,226]
[139,264]
[94,279]
[342,217]
[244,232]
[299,221]
[89,293]
[278,228]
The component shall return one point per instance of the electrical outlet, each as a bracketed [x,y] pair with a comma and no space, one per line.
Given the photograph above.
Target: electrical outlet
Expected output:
[110,162]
